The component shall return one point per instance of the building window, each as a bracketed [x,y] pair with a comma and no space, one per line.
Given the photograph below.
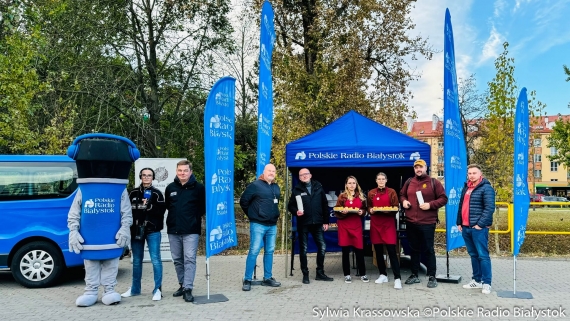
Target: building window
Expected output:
[440,159]
[553,151]
[536,142]
[554,166]
[554,179]
[440,145]
[537,173]
[537,158]
[439,173]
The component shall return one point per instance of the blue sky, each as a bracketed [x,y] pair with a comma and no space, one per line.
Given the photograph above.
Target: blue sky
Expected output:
[538,32]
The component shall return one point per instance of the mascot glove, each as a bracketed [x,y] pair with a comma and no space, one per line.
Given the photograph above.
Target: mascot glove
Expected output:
[75,241]
[123,237]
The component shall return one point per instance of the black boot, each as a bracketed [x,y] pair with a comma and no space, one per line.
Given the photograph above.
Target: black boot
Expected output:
[321,276]
[246,285]
[178,292]
[306,278]
[270,282]
[188,295]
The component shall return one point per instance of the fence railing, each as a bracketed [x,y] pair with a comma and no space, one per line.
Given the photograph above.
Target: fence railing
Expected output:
[508,229]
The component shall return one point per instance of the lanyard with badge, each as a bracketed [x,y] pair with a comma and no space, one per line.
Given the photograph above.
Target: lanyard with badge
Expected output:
[275,200]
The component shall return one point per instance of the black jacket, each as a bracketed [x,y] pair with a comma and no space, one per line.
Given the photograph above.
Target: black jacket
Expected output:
[258,202]
[481,205]
[315,204]
[186,204]
[153,211]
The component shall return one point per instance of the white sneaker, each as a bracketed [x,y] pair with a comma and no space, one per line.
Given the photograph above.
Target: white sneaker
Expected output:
[127,294]
[157,295]
[381,279]
[486,289]
[347,279]
[397,284]
[473,285]
[364,279]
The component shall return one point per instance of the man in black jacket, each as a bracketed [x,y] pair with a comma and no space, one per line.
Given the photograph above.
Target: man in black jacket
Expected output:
[186,204]
[312,218]
[148,206]
[260,202]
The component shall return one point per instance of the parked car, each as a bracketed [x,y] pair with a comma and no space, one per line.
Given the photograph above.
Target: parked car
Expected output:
[562,199]
[550,199]
[537,198]
[35,196]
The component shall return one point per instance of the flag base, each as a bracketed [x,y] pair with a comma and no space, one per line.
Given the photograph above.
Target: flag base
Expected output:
[214,298]
[256,282]
[448,278]
[513,295]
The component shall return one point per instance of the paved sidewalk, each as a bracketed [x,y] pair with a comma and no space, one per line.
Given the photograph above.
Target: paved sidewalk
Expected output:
[546,279]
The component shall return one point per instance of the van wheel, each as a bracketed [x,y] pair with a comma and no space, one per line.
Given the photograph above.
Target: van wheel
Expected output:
[37,265]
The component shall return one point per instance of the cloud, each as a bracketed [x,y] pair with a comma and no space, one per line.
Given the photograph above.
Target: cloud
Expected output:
[493,46]
[499,6]
[428,90]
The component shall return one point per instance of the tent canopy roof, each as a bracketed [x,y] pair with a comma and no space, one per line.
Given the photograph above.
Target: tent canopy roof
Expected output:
[356,141]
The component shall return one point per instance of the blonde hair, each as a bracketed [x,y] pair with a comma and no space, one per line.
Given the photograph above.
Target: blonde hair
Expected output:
[357,190]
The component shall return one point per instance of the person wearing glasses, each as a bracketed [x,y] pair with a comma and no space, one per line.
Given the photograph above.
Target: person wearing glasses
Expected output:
[383,228]
[148,207]
[350,227]
[312,218]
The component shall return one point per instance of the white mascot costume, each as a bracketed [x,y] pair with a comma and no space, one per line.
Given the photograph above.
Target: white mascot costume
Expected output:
[100,215]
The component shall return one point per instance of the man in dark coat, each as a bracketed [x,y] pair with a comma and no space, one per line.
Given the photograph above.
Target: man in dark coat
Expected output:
[260,202]
[312,218]
[186,204]
[474,217]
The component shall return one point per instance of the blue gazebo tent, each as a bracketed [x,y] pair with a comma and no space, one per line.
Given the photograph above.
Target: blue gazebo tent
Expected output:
[354,145]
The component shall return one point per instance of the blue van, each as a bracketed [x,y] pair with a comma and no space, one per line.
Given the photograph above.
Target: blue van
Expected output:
[36,192]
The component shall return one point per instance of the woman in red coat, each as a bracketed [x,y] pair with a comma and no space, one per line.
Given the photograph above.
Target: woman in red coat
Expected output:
[350,227]
[383,228]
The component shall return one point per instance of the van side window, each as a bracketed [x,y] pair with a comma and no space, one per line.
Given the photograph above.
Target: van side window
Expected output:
[36,181]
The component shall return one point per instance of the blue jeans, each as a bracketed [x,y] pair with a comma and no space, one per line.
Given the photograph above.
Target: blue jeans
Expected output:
[260,236]
[137,246]
[477,243]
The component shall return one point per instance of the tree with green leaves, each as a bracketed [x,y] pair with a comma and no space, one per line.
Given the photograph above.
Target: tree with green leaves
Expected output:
[137,68]
[496,148]
[26,126]
[560,139]
[242,64]
[334,56]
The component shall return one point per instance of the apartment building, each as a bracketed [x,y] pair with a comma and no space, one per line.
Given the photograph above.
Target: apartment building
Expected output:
[547,177]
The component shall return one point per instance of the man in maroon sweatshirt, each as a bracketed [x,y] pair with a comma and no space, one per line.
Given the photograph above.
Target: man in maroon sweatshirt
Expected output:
[421,218]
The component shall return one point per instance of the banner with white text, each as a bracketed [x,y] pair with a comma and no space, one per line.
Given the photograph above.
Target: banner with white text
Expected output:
[521,197]
[219,129]
[265,101]
[454,151]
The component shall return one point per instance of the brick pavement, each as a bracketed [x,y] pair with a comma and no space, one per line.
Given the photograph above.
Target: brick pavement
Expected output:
[544,278]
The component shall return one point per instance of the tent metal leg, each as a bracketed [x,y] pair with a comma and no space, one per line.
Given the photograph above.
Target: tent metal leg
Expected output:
[292,252]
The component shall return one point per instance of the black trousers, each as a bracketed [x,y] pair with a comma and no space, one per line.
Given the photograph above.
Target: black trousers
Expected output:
[421,239]
[316,231]
[391,248]
[359,260]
